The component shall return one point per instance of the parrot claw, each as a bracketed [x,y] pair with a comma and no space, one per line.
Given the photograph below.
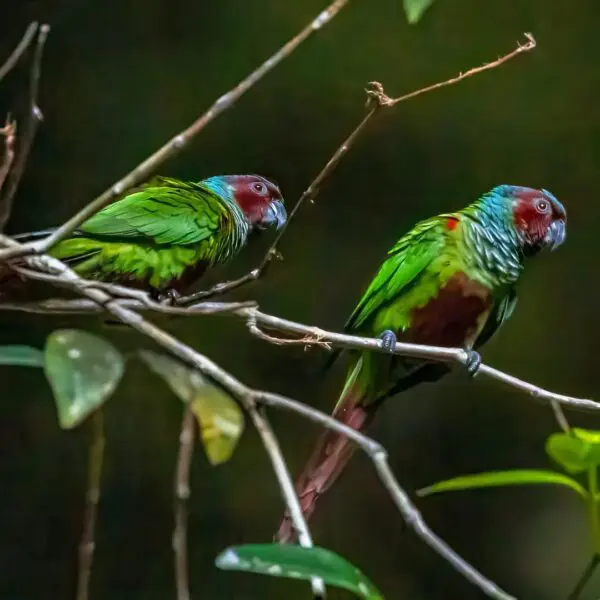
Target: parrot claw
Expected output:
[388,340]
[473,362]
[167,298]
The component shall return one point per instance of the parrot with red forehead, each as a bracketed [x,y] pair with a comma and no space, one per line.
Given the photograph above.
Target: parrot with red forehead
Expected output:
[450,281]
[163,235]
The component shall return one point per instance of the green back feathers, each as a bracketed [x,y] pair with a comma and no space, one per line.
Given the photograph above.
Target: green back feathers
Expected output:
[401,270]
[156,233]
[165,211]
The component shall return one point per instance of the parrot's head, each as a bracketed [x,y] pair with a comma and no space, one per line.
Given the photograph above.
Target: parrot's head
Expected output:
[539,219]
[260,200]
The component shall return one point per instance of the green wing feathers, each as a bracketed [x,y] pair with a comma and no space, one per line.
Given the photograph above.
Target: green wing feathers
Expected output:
[405,265]
[164,215]
[154,235]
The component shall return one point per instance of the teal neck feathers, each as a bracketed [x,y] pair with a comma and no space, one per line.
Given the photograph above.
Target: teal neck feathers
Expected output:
[491,241]
[238,228]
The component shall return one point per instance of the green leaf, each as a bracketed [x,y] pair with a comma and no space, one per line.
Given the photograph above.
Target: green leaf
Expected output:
[21,356]
[83,371]
[575,452]
[502,479]
[296,562]
[220,419]
[414,9]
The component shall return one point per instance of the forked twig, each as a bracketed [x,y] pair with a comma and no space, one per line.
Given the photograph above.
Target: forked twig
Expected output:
[34,116]
[376,100]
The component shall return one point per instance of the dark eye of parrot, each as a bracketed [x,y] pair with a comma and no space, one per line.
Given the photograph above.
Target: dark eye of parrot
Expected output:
[259,188]
[542,206]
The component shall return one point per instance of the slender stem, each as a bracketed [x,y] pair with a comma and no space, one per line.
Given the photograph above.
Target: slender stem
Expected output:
[560,416]
[286,485]
[585,577]
[34,116]
[593,507]
[87,544]
[16,54]
[182,495]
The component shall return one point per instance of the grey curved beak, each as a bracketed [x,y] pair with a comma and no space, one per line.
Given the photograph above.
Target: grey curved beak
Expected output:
[556,234]
[276,215]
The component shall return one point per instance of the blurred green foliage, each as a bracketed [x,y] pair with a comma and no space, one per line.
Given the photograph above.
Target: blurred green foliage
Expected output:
[576,451]
[119,79]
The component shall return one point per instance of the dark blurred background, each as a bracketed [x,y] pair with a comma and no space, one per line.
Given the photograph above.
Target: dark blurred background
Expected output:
[121,77]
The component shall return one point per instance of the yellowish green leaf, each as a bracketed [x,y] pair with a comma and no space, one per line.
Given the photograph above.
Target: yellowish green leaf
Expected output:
[575,452]
[220,419]
[221,422]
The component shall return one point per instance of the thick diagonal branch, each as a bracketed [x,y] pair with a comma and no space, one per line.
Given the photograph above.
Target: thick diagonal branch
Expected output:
[179,141]
[303,335]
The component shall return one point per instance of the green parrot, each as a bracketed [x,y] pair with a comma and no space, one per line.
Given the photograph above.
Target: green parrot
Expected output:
[163,235]
[450,281]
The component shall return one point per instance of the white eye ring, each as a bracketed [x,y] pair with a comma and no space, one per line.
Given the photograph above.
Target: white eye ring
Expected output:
[542,206]
[259,188]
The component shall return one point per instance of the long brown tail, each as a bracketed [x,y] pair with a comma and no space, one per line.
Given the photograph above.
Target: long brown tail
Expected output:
[330,456]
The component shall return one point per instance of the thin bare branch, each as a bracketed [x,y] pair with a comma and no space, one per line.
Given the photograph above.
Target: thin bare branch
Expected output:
[286,484]
[92,498]
[34,117]
[21,48]
[8,132]
[377,99]
[182,495]
[307,335]
[179,141]
[526,47]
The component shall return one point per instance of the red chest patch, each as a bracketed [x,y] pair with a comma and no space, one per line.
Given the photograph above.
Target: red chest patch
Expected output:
[452,223]
[453,317]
